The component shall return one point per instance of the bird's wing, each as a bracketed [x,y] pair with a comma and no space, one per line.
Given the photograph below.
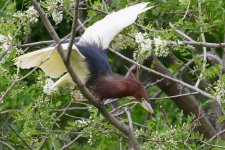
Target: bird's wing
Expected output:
[103,31]
[49,60]
[65,79]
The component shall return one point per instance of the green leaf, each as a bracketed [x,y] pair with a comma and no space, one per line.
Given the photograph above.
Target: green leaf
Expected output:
[59,103]
[221,119]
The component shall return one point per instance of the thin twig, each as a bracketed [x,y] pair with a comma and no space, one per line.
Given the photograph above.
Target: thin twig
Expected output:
[212,145]
[7,144]
[105,7]
[124,105]
[121,145]
[5,6]
[49,42]
[208,55]
[73,31]
[165,76]
[204,48]
[205,44]
[129,118]
[63,112]
[165,115]
[187,9]
[175,96]
[70,143]
[154,83]
[73,108]
[17,134]
[181,33]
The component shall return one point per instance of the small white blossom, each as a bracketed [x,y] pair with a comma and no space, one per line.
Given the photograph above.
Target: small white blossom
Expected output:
[33,13]
[48,86]
[30,15]
[83,122]
[220,92]
[57,16]
[139,38]
[161,49]
[148,44]
[157,41]
[90,141]
[2,38]
[5,42]
[54,8]
[145,46]
[179,42]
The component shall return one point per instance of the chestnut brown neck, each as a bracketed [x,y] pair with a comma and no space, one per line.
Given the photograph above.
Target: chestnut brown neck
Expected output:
[113,86]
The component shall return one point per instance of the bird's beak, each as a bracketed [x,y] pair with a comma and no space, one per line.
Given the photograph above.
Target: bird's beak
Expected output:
[147,106]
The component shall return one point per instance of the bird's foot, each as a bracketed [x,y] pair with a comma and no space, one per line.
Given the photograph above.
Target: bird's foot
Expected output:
[101,103]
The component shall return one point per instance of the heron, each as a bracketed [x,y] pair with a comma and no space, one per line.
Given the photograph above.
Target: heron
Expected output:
[89,59]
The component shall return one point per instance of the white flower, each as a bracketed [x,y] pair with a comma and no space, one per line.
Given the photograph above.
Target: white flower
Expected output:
[30,15]
[145,46]
[57,16]
[33,14]
[47,89]
[179,42]
[54,8]
[139,38]
[148,44]
[220,91]
[82,122]
[144,42]
[157,41]
[5,42]
[2,38]
[161,49]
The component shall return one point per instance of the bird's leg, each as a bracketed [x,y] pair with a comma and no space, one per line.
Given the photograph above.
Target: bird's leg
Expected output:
[101,103]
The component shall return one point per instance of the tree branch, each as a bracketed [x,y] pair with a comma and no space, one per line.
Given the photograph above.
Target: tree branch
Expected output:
[205,44]
[204,48]
[74,27]
[8,145]
[70,143]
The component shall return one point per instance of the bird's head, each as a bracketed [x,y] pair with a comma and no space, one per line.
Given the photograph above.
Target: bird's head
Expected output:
[139,92]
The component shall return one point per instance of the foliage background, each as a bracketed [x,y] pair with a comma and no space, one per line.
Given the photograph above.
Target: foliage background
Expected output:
[52,121]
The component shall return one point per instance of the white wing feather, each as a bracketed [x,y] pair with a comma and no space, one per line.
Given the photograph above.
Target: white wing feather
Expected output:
[49,60]
[65,79]
[104,31]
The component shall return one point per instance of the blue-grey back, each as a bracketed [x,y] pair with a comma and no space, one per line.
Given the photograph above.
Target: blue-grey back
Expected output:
[97,60]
